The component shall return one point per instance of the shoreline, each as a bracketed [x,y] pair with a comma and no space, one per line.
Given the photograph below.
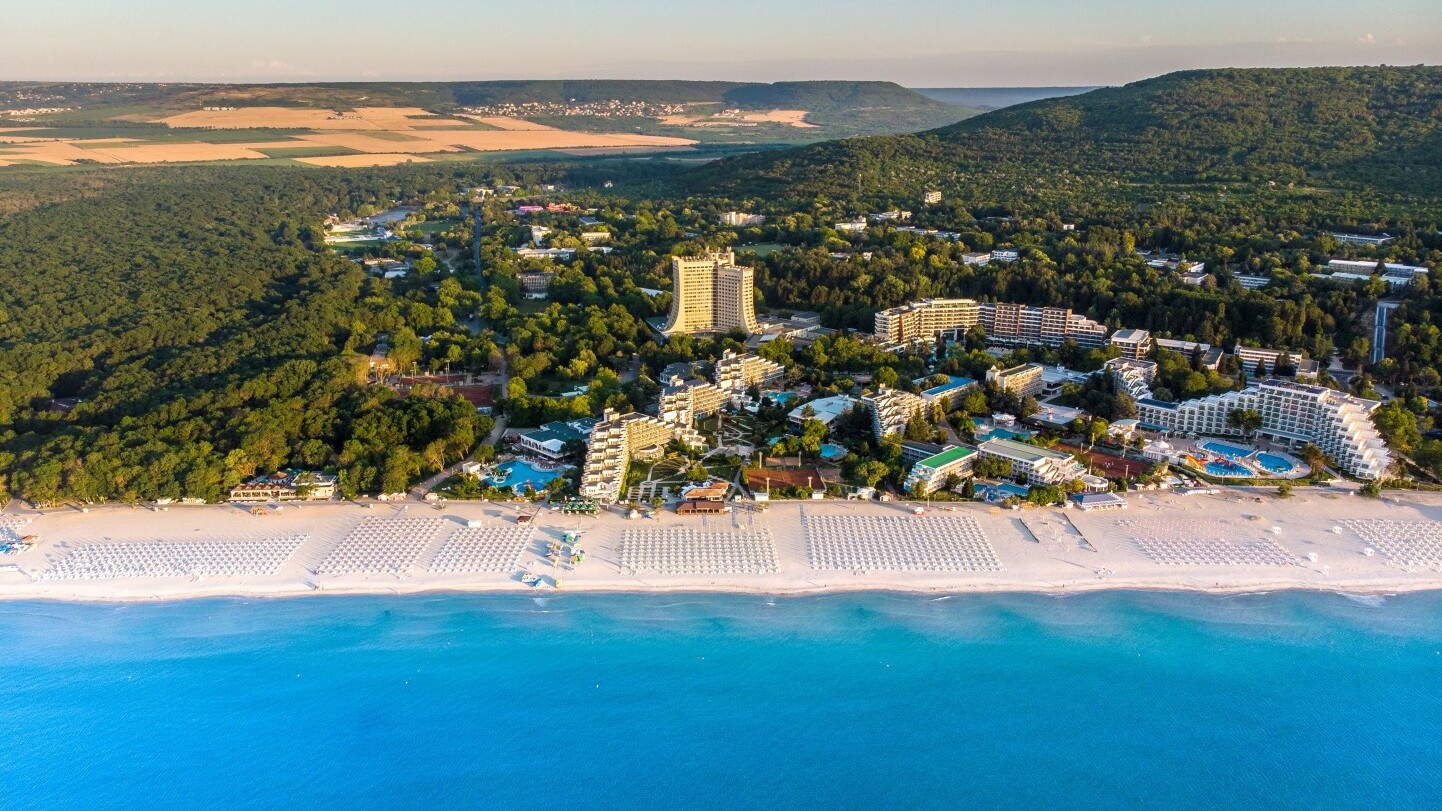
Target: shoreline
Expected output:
[1228,543]
[1341,589]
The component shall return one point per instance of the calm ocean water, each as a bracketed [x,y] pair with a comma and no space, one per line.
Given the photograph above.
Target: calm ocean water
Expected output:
[689,701]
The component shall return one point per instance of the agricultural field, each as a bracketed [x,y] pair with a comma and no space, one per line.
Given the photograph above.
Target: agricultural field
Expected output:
[364,136]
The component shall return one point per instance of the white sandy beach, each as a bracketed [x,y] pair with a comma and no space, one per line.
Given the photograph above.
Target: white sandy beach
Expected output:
[1229,542]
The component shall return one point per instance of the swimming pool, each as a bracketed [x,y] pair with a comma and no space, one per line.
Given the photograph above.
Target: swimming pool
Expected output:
[830,451]
[1000,492]
[1273,463]
[1227,469]
[1229,451]
[780,398]
[517,473]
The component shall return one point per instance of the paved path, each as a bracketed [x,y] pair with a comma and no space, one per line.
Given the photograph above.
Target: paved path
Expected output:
[1379,329]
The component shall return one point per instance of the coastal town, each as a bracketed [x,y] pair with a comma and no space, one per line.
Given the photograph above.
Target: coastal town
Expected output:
[1029,447]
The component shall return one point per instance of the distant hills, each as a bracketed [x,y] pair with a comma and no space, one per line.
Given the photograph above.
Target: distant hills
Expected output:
[836,109]
[994,98]
[1377,128]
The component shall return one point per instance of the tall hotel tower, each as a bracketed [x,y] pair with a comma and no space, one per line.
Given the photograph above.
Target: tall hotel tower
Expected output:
[711,294]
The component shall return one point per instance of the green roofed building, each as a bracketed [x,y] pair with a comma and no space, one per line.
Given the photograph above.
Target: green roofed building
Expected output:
[930,473]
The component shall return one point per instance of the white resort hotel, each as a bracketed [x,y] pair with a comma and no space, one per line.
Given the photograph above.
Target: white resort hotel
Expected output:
[618,439]
[1003,323]
[1293,414]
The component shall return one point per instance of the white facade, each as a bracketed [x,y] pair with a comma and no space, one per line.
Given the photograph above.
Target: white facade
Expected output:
[892,410]
[1135,377]
[737,372]
[1038,465]
[1134,344]
[1004,323]
[1293,414]
[618,439]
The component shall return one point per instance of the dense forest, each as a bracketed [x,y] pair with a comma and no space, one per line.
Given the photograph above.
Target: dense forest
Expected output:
[1373,128]
[167,333]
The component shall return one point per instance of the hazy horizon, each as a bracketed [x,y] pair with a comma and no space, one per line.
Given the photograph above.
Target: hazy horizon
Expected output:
[915,43]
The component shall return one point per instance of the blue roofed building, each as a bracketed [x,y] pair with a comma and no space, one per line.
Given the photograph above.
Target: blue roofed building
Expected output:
[948,394]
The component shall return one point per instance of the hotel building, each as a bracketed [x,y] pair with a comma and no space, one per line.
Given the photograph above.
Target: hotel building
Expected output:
[1004,323]
[683,401]
[932,472]
[1135,344]
[711,294]
[1135,377]
[1024,381]
[1249,357]
[1038,465]
[1292,414]
[892,410]
[618,439]
[736,372]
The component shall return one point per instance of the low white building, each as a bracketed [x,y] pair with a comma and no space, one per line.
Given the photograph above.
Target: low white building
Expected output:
[1037,465]
[932,472]
[826,409]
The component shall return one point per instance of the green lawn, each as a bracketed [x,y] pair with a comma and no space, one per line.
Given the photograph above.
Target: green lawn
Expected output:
[306,151]
[761,248]
[433,226]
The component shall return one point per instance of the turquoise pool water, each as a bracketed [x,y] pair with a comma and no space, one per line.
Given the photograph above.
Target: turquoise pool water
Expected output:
[1227,469]
[518,473]
[830,451]
[1229,451]
[1274,463]
[780,398]
[998,492]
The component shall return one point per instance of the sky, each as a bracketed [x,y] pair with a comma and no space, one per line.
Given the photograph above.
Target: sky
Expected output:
[917,43]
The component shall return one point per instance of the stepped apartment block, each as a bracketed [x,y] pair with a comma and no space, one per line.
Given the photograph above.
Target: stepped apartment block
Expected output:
[1135,377]
[683,401]
[737,372]
[891,410]
[1003,323]
[1293,414]
[711,295]
[1038,465]
[617,440]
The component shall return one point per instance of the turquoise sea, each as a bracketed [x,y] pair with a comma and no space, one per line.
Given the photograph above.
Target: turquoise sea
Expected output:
[1109,700]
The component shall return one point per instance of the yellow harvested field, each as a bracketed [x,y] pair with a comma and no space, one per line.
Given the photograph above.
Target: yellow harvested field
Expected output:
[796,118]
[60,153]
[361,118]
[679,120]
[350,161]
[501,122]
[384,136]
[180,153]
[424,141]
